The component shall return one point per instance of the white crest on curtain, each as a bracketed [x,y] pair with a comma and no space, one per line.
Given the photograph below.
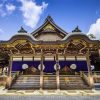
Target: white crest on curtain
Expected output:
[73,66]
[39,67]
[55,67]
[24,66]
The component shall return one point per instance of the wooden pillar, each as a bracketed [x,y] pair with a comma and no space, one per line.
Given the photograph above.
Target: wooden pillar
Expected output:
[65,54]
[90,77]
[9,79]
[75,57]
[10,66]
[57,70]
[99,52]
[41,71]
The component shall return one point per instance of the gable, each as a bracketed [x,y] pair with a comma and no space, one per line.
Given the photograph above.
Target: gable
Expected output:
[49,31]
[49,28]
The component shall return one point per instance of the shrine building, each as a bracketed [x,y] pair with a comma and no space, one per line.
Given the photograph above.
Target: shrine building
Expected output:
[51,58]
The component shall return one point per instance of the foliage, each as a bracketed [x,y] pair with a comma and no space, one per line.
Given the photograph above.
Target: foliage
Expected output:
[4,59]
[91,36]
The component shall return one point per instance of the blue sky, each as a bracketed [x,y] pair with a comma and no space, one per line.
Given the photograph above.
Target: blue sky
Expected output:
[66,13]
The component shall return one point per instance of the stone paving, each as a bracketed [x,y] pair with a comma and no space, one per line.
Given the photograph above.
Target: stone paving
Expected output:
[49,97]
[6,92]
[51,92]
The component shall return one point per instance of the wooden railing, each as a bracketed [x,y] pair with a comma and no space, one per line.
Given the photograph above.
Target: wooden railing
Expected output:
[96,76]
[66,73]
[11,78]
[15,75]
[97,73]
[84,75]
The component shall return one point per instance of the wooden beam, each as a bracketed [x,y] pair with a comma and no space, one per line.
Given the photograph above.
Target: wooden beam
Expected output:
[9,78]
[10,65]
[65,54]
[57,70]
[41,71]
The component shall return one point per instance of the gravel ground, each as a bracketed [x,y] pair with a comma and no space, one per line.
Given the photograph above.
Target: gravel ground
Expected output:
[49,97]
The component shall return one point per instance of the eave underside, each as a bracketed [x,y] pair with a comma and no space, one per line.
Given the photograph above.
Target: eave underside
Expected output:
[72,47]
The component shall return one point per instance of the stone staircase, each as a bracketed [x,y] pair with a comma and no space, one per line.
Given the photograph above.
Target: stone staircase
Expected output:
[32,82]
[24,82]
[97,82]
[49,82]
[71,82]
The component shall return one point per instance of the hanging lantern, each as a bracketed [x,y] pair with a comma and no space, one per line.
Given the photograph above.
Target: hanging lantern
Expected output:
[73,66]
[24,66]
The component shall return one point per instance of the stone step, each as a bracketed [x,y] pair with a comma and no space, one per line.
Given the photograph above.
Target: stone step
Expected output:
[26,82]
[24,87]
[49,82]
[74,82]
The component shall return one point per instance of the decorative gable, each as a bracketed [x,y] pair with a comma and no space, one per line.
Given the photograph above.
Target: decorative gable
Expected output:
[49,31]
[49,28]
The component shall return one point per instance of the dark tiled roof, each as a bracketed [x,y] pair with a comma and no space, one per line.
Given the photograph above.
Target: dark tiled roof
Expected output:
[22,30]
[77,29]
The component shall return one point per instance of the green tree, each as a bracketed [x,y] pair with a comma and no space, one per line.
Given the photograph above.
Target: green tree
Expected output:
[91,36]
[4,60]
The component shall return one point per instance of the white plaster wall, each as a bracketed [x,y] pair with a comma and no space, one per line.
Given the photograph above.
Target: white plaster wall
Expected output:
[49,37]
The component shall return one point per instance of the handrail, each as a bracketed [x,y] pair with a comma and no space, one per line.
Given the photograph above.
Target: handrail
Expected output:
[97,73]
[95,76]
[85,77]
[93,72]
[16,75]
[68,75]
[10,79]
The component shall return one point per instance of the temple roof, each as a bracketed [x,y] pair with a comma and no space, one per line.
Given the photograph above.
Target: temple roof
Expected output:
[49,26]
[75,34]
[69,37]
[77,29]
[22,30]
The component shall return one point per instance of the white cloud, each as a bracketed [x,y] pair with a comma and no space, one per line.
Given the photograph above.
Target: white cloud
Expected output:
[95,29]
[1,31]
[2,12]
[6,9]
[10,7]
[32,12]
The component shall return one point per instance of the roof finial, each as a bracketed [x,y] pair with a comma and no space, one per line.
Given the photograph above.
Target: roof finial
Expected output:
[49,18]
[76,29]
[22,30]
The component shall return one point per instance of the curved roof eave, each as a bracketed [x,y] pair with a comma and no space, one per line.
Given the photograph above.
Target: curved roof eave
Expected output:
[79,35]
[30,38]
[21,36]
